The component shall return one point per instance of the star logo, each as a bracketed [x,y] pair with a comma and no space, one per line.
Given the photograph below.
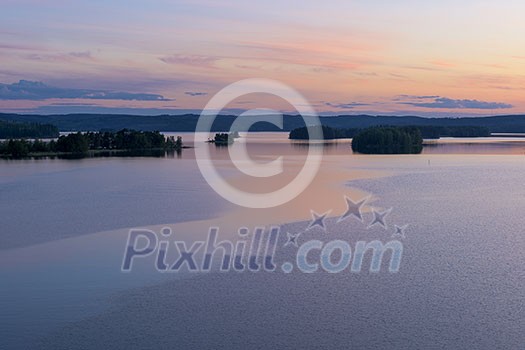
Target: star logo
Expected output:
[353,209]
[318,220]
[379,218]
[292,239]
[400,231]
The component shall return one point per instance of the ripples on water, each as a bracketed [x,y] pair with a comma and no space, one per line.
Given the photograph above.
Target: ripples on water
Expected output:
[461,284]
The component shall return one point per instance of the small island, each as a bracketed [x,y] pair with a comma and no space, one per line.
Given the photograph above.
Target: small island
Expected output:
[224,139]
[427,132]
[388,140]
[391,139]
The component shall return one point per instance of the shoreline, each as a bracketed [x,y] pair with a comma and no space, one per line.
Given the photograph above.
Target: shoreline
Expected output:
[97,153]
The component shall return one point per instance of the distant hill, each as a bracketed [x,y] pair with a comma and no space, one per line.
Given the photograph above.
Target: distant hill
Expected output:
[12,129]
[96,122]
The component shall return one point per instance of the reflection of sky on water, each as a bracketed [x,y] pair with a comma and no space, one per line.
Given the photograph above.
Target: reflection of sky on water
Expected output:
[47,286]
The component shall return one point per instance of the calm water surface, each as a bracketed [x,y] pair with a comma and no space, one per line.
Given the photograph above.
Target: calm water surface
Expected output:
[461,283]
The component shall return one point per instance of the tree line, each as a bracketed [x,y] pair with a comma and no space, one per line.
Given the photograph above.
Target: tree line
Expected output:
[427,132]
[82,143]
[223,123]
[435,132]
[388,140]
[15,130]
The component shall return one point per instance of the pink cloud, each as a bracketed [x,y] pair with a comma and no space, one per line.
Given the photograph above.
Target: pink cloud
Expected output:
[446,64]
[61,57]
[5,46]
[190,60]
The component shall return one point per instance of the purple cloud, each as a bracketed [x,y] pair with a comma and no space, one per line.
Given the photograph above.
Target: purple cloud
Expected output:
[448,103]
[195,93]
[190,60]
[349,105]
[60,57]
[33,90]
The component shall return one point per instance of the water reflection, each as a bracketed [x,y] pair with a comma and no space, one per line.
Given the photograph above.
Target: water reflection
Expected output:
[474,146]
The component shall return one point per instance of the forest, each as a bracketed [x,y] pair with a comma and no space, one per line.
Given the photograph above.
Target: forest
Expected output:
[388,140]
[15,130]
[223,123]
[427,132]
[82,143]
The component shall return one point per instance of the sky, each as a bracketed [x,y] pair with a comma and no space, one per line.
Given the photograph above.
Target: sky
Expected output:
[392,57]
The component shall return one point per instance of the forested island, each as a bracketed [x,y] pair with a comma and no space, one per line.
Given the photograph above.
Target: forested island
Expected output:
[81,144]
[388,140]
[376,139]
[224,139]
[427,132]
[23,127]
[15,130]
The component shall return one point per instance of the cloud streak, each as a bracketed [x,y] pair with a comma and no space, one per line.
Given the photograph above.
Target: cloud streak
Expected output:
[449,103]
[61,57]
[36,91]
[190,60]
[349,105]
[195,93]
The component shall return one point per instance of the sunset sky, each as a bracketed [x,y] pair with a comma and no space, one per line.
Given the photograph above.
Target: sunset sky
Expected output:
[439,58]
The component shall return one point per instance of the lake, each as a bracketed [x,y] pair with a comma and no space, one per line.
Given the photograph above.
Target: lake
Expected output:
[461,282]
